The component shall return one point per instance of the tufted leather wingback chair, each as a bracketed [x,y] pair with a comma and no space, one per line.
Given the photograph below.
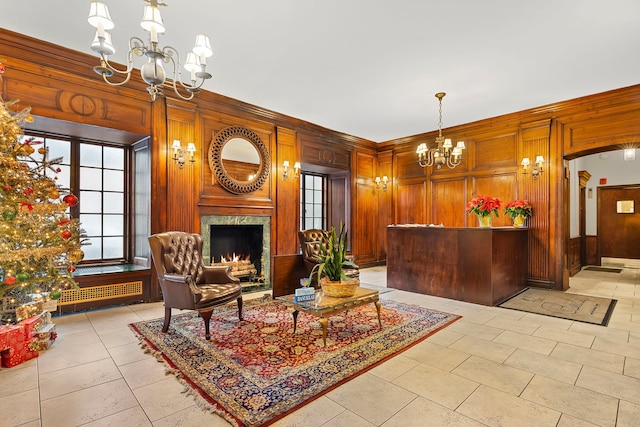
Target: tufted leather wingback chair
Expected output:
[312,242]
[186,282]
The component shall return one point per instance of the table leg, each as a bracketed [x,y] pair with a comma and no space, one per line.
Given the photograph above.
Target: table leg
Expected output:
[323,323]
[295,320]
[378,305]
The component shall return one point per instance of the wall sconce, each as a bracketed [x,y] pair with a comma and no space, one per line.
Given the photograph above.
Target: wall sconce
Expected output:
[536,169]
[178,152]
[285,167]
[384,180]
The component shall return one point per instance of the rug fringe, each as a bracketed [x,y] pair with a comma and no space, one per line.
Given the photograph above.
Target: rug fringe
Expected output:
[202,403]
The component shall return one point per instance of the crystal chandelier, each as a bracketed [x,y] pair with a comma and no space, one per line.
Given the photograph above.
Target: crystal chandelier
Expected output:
[152,72]
[444,153]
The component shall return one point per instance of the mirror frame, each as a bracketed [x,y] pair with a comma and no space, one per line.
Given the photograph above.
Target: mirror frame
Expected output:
[216,165]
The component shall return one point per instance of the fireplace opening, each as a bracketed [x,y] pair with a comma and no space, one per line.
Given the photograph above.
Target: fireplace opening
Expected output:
[240,247]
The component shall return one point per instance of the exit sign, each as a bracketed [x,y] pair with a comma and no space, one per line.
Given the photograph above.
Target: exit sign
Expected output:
[603,181]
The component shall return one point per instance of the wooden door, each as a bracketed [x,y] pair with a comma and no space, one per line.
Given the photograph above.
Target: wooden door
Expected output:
[618,233]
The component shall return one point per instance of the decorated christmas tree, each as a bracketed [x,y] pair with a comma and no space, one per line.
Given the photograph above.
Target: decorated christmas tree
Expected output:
[39,242]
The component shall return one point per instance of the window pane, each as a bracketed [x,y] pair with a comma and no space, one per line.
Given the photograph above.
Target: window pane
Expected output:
[59,148]
[64,176]
[113,225]
[308,223]
[90,202]
[113,158]
[91,223]
[317,196]
[90,155]
[90,179]
[317,223]
[308,181]
[308,196]
[113,203]
[94,250]
[113,180]
[317,182]
[317,211]
[113,247]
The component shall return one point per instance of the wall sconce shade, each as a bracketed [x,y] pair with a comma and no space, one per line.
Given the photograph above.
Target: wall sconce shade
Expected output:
[285,169]
[384,181]
[537,167]
[179,153]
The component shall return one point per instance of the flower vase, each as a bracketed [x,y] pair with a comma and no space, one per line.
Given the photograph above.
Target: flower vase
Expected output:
[518,221]
[485,221]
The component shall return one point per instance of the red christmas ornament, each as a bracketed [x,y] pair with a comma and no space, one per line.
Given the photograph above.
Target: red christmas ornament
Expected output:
[71,269]
[70,200]
[7,187]
[28,191]
[9,280]
[64,221]
[66,234]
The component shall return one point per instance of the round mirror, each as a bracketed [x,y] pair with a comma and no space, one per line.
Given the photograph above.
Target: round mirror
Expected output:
[239,160]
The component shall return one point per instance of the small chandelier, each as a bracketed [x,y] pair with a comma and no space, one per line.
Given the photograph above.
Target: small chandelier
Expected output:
[152,72]
[444,153]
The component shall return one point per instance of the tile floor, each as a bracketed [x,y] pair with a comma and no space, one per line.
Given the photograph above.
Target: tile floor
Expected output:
[494,367]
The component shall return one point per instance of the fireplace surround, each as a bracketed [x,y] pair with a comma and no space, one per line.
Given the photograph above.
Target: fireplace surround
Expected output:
[206,221]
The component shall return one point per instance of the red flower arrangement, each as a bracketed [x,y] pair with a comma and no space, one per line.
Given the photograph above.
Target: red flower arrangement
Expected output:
[518,207]
[484,206]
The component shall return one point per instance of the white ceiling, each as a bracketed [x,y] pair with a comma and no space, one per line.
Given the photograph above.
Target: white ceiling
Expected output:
[370,68]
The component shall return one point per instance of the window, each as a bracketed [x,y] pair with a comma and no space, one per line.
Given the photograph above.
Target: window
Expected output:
[313,205]
[96,173]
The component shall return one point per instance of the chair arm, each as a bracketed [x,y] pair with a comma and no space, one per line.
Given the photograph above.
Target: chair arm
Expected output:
[219,274]
[184,280]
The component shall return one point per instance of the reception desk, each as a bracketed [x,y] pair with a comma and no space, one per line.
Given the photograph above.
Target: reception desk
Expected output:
[479,265]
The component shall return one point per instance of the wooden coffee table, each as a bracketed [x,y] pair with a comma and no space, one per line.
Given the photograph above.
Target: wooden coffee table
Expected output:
[324,306]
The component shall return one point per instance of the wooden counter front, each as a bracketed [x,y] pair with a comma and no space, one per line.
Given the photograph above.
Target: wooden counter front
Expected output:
[479,265]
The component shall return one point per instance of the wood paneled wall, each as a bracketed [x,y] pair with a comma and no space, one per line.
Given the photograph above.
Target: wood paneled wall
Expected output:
[62,89]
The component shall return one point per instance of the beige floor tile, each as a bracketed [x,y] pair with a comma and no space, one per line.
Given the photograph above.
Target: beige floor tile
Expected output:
[600,331]
[512,324]
[581,403]
[18,379]
[437,385]
[57,358]
[614,347]
[424,411]
[314,414]
[473,329]
[548,320]
[88,404]
[128,353]
[483,348]
[631,367]
[436,355]
[628,414]
[19,408]
[547,366]
[567,420]
[119,337]
[525,342]
[68,341]
[589,357]
[63,381]
[191,416]
[363,395]
[561,335]
[163,398]
[144,372]
[445,337]
[501,377]
[495,408]
[393,368]
[614,385]
[133,417]
[348,418]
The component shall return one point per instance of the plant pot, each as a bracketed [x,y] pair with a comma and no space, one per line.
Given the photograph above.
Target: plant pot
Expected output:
[342,289]
[518,221]
[485,221]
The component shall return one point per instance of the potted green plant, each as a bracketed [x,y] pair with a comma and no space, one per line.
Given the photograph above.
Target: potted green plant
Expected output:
[484,207]
[518,211]
[332,261]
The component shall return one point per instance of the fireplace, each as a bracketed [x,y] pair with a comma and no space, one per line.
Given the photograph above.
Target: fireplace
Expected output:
[245,243]
[239,247]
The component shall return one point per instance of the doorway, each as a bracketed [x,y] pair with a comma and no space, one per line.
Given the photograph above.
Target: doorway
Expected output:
[618,221]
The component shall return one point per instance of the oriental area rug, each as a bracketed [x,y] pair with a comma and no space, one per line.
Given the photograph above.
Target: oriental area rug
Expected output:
[582,308]
[255,371]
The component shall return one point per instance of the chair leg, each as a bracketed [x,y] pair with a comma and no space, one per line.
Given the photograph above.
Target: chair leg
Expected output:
[240,308]
[206,316]
[167,319]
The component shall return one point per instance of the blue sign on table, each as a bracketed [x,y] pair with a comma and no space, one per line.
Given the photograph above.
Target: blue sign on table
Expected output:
[304,294]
